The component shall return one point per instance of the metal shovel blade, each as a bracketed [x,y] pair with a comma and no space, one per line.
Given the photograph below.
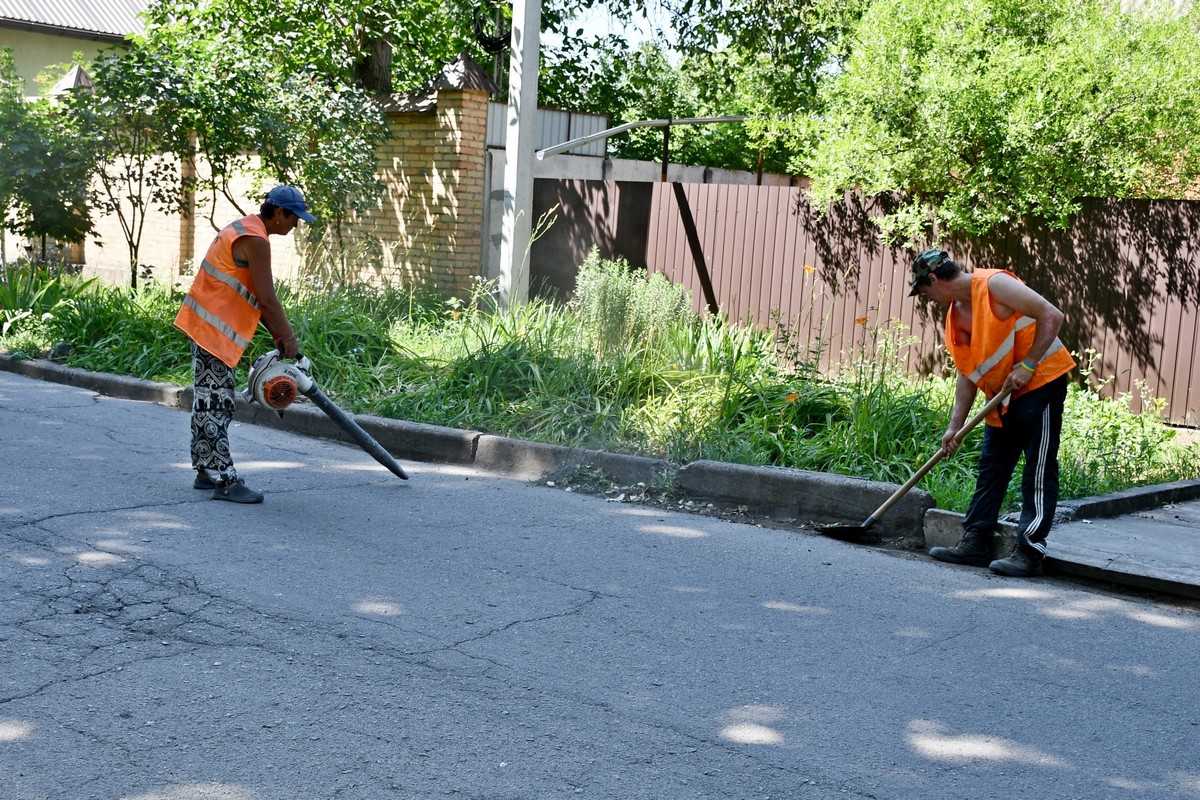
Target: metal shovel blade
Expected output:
[361,437]
[847,533]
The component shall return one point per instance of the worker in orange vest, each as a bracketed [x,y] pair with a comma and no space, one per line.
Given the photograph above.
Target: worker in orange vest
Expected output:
[233,291]
[1002,334]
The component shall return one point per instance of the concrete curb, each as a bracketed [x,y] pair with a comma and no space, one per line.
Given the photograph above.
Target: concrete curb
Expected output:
[817,498]
[807,497]
[944,528]
[1128,501]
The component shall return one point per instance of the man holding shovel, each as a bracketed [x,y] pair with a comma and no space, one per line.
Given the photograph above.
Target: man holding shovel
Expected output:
[1002,336]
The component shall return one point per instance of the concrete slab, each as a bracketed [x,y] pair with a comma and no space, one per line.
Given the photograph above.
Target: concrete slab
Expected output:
[1157,550]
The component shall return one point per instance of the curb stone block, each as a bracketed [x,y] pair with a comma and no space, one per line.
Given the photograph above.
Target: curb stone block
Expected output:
[417,441]
[520,459]
[810,497]
[1141,498]
[944,528]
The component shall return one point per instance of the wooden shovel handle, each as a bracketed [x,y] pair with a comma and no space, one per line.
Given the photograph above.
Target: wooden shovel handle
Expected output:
[991,406]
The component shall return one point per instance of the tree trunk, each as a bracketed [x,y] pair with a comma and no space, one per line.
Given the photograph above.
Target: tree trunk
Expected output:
[374,71]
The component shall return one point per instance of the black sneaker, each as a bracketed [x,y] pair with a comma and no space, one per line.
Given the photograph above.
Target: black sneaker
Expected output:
[1024,562]
[203,482]
[237,492]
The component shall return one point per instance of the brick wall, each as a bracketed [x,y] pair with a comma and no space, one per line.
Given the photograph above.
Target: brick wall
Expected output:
[429,225]
[172,244]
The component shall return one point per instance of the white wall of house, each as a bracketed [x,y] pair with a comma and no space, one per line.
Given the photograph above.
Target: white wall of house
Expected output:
[34,51]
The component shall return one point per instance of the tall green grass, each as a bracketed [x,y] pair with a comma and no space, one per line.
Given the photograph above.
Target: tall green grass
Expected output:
[626,366]
[30,291]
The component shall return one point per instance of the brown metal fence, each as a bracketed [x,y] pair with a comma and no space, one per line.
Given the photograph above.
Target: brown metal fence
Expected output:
[1126,272]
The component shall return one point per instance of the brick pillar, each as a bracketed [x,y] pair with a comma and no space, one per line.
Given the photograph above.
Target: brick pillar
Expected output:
[429,227]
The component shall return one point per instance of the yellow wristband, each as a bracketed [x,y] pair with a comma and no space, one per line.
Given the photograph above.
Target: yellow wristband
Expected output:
[1028,366]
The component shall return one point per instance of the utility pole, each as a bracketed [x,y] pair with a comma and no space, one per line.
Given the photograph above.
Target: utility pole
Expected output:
[520,141]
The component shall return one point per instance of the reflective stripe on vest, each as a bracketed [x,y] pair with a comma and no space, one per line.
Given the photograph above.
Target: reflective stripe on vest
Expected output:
[231,282]
[1009,339]
[1006,347]
[220,313]
[215,321]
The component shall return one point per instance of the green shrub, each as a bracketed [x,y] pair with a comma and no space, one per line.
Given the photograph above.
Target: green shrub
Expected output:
[620,308]
[28,293]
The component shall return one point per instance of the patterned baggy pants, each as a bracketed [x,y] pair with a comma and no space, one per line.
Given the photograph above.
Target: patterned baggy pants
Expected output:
[212,411]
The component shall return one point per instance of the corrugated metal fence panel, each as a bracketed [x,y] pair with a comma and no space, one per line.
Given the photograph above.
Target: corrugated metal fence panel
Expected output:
[1126,274]
[116,17]
[496,124]
[554,127]
[586,125]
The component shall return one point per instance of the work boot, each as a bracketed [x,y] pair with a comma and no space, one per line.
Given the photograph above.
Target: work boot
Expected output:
[237,492]
[203,482]
[1023,562]
[974,549]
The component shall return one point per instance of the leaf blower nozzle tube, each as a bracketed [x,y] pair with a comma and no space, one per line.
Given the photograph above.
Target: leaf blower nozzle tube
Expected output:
[273,384]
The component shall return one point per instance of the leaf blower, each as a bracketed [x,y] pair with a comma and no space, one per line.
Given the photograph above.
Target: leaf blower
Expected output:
[274,384]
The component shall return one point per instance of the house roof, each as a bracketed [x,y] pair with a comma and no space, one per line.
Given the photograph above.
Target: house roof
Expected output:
[95,19]
[76,78]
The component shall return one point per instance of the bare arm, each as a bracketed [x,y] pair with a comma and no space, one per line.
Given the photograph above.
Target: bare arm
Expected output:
[258,253]
[1015,295]
[964,398]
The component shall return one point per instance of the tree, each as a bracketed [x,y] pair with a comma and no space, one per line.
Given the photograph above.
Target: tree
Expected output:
[254,86]
[798,41]
[43,178]
[344,41]
[129,126]
[716,58]
[980,113]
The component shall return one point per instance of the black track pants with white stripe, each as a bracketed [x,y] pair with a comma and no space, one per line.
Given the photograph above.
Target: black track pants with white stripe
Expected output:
[1032,426]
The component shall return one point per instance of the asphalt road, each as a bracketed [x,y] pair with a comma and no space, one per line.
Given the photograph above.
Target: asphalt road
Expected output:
[464,635]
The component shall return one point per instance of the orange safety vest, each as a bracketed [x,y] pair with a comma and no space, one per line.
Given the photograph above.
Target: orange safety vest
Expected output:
[998,345]
[220,312]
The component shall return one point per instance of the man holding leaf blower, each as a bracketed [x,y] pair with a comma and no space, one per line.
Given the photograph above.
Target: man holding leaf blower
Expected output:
[1002,336]
[233,291]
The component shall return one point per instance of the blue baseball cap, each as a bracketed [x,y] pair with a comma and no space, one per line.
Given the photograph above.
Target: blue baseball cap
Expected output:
[289,197]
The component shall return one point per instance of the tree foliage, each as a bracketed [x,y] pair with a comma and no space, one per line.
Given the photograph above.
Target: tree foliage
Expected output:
[130,126]
[713,58]
[42,175]
[796,41]
[275,95]
[332,39]
[979,113]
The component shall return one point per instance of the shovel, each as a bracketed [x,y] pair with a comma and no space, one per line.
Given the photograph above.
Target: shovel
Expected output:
[852,533]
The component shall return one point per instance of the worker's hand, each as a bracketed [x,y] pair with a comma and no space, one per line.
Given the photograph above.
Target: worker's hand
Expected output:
[1018,379]
[949,443]
[288,347]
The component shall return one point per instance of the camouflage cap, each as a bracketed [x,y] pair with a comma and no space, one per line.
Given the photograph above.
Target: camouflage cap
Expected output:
[924,265]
